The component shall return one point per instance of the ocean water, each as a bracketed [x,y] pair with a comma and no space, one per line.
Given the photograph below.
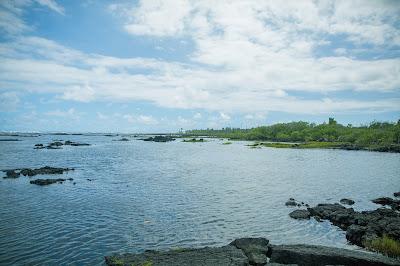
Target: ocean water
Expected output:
[146,195]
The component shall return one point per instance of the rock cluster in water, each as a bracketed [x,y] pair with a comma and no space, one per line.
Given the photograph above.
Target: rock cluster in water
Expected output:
[293,203]
[122,139]
[58,145]
[253,251]
[47,170]
[193,140]
[359,226]
[49,181]
[159,139]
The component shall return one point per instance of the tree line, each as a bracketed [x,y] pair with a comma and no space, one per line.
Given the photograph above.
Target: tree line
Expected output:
[374,134]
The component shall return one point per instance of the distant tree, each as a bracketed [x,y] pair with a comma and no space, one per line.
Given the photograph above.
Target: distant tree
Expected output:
[332,121]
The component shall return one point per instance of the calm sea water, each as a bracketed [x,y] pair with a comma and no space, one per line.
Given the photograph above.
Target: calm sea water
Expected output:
[148,195]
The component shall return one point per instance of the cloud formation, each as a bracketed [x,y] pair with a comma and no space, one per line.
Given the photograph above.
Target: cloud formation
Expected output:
[248,57]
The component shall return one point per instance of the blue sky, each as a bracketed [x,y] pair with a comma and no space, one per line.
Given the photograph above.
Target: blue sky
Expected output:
[158,66]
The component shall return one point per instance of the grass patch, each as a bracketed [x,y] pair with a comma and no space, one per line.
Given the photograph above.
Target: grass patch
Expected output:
[227,143]
[305,145]
[116,261]
[384,245]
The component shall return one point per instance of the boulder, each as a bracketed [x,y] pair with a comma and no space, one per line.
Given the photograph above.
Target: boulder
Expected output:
[291,203]
[256,249]
[45,182]
[309,255]
[396,194]
[227,255]
[347,201]
[11,174]
[300,214]
[386,201]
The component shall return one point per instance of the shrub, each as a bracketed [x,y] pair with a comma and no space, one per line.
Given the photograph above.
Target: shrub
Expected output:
[385,245]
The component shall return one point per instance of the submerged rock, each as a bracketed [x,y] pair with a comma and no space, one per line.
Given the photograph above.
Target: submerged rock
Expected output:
[11,174]
[291,202]
[300,214]
[71,143]
[347,201]
[47,170]
[58,145]
[45,182]
[123,139]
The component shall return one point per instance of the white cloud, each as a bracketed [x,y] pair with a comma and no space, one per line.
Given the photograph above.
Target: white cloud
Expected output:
[147,119]
[224,116]
[155,17]
[12,12]
[9,101]
[102,116]
[140,119]
[197,116]
[249,57]
[257,116]
[79,93]
[70,113]
[52,5]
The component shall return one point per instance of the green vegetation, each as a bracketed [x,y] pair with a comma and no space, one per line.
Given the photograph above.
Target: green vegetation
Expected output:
[227,143]
[306,145]
[377,136]
[193,140]
[385,245]
[116,261]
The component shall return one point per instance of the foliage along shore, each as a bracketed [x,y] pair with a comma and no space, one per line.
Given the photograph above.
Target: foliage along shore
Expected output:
[377,136]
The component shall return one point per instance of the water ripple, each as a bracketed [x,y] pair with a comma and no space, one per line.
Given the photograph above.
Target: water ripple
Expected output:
[162,195]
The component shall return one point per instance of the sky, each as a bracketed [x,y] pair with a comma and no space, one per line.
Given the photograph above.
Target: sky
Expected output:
[161,66]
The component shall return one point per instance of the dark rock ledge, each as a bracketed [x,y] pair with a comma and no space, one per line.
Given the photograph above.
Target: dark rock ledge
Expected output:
[47,170]
[253,251]
[361,226]
[58,145]
[45,182]
[159,139]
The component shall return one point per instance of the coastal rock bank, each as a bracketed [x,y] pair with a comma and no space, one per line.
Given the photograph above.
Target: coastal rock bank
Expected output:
[253,251]
[359,226]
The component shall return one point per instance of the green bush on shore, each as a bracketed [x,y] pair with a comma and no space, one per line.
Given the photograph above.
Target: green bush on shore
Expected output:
[376,136]
[384,245]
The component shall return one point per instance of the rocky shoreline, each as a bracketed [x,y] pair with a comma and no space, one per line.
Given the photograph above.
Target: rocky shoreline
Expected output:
[253,251]
[360,227]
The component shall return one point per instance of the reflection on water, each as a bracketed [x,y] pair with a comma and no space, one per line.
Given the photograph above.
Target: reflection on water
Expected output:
[148,195]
